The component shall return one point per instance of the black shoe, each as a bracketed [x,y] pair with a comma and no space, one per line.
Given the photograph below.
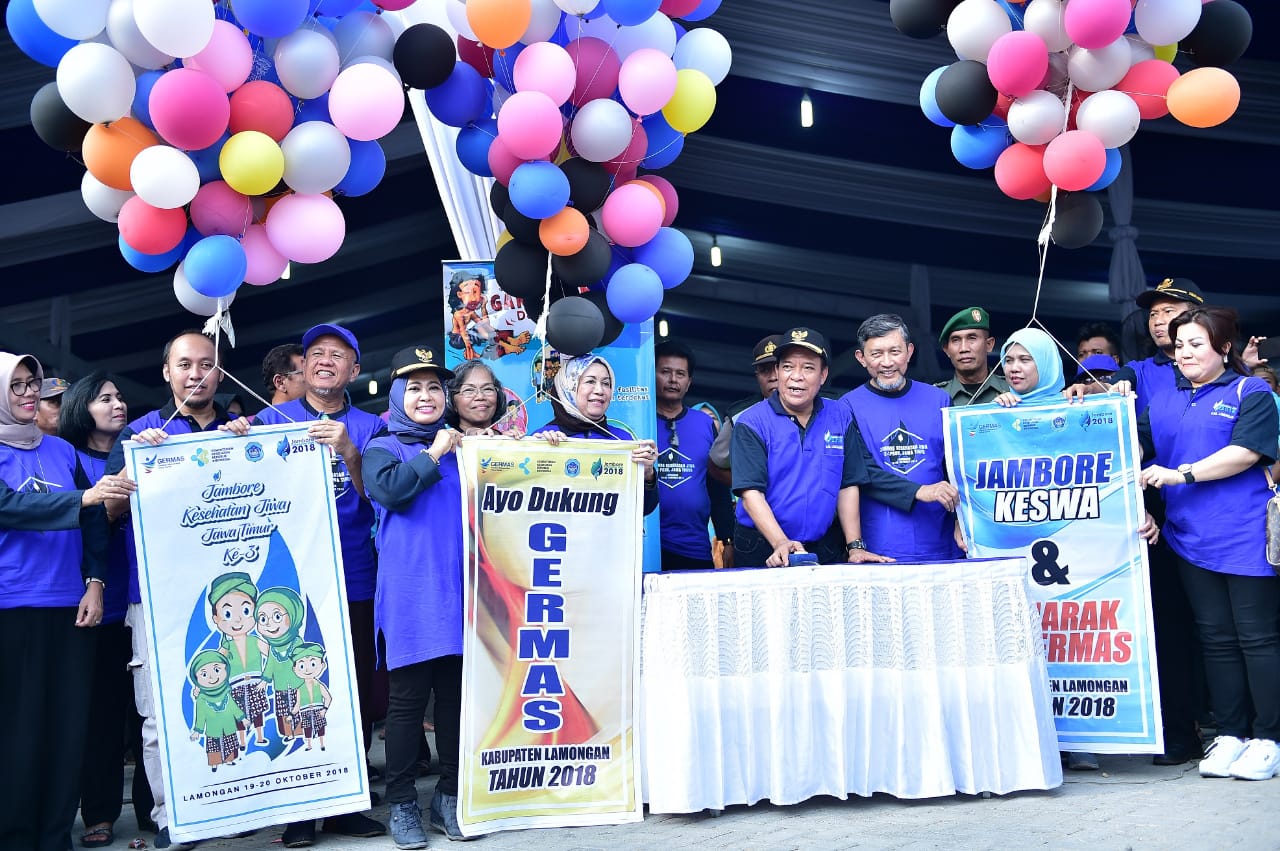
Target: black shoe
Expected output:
[374,798]
[374,772]
[163,841]
[300,834]
[354,824]
[1177,753]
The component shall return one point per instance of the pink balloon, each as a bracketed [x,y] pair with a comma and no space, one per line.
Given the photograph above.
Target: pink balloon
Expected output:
[1017,63]
[306,228]
[393,5]
[1147,83]
[631,215]
[547,68]
[529,124]
[596,67]
[227,57]
[266,265]
[1096,23]
[669,196]
[501,161]
[1075,160]
[149,229]
[646,81]
[219,209]
[630,158]
[366,102]
[189,109]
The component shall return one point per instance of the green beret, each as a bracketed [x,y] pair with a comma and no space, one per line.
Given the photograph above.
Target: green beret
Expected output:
[306,649]
[228,582]
[970,317]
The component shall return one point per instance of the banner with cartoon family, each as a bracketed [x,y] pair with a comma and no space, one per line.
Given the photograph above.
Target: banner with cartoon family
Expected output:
[1057,483]
[240,570]
[551,635]
[482,321]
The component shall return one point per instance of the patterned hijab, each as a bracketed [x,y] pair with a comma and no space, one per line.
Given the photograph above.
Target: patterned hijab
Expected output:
[12,433]
[569,417]
[1045,353]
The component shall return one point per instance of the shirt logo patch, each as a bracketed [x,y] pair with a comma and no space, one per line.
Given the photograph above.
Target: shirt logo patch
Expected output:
[674,468]
[1222,409]
[833,443]
[902,450]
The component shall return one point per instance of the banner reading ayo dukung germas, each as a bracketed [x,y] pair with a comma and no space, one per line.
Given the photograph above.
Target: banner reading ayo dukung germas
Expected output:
[551,637]
[1057,483]
[246,616]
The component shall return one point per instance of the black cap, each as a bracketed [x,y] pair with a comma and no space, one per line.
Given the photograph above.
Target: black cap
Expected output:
[415,358]
[1178,289]
[805,338]
[763,353]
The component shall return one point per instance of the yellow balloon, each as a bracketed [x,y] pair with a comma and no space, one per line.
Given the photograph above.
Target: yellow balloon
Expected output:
[251,162]
[693,102]
[1167,52]
[504,237]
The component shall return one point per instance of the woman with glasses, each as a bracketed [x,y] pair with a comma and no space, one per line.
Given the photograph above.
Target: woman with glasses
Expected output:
[53,537]
[478,401]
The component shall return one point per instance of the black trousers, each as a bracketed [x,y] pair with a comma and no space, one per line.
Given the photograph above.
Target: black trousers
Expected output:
[1237,620]
[411,687]
[750,548]
[364,652]
[113,724]
[675,561]
[45,668]
[1178,655]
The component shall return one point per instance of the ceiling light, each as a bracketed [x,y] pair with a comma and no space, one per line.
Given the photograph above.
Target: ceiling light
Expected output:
[373,387]
[662,328]
[806,111]
[715,252]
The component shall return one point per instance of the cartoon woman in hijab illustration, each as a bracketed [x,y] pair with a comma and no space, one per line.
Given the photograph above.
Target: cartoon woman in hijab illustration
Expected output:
[313,696]
[232,597]
[217,716]
[280,621]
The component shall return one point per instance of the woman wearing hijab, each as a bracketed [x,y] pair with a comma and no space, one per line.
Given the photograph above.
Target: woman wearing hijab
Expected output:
[411,476]
[53,537]
[280,616]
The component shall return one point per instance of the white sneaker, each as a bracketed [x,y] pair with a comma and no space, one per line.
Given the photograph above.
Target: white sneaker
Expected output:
[1259,761]
[1219,755]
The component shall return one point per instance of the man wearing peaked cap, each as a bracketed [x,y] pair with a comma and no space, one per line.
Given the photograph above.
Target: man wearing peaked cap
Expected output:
[50,404]
[764,361]
[966,339]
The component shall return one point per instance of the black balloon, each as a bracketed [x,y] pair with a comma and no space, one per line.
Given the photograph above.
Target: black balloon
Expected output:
[587,266]
[498,198]
[1078,219]
[424,55]
[55,124]
[574,325]
[1220,38]
[588,183]
[920,18]
[964,92]
[520,226]
[612,325]
[534,307]
[521,269]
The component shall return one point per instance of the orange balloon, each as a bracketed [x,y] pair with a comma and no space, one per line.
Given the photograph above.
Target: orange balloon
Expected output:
[499,23]
[1204,97]
[109,150]
[564,233]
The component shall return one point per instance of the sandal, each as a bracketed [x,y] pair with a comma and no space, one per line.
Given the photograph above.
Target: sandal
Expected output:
[99,837]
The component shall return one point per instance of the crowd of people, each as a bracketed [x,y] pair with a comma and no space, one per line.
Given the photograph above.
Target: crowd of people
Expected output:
[790,475]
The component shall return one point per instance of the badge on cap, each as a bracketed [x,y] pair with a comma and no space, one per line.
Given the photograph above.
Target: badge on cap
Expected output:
[799,335]
[976,314]
[424,355]
[769,347]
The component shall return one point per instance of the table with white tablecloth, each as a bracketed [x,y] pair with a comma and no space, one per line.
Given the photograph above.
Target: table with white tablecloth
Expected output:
[915,680]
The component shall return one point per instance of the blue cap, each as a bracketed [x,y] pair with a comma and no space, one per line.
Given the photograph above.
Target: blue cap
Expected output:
[1098,363]
[334,330]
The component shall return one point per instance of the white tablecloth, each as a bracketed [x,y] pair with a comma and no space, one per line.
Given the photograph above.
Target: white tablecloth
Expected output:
[915,680]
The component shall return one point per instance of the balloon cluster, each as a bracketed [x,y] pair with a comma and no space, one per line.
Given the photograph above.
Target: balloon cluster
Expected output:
[562,102]
[217,134]
[1047,92]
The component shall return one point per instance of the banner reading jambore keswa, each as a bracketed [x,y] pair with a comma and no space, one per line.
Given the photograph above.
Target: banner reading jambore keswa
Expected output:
[246,615]
[1057,483]
[551,637]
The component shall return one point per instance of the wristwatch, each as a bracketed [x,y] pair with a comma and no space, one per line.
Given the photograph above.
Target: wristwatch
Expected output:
[855,544]
[97,580]
[1185,470]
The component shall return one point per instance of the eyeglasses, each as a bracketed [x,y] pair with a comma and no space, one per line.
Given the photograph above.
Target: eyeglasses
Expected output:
[22,388]
[470,391]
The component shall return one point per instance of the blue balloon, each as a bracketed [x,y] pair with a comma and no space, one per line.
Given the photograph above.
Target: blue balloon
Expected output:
[461,99]
[270,18]
[929,99]
[33,36]
[142,96]
[595,12]
[669,255]
[504,66]
[1014,13]
[206,160]
[629,13]
[368,165]
[664,142]
[151,262]
[332,8]
[216,266]
[705,9]
[1109,172]
[634,293]
[473,146]
[980,145]
[316,109]
[538,189]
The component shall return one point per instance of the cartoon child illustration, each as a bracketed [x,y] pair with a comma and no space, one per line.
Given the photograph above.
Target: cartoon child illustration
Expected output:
[313,696]
[232,597]
[217,716]
[489,319]
[469,320]
[280,619]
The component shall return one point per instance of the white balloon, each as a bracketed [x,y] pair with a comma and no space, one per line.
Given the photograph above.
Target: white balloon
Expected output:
[1139,50]
[78,19]
[457,15]
[601,130]
[1166,21]
[707,51]
[602,27]
[200,305]
[176,27]
[103,201]
[1095,70]
[96,82]
[363,34]
[124,34]
[164,177]
[974,26]
[307,63]
[1037,118]
[1110,115]
[577,7]
[1045,18]
[657,33]
[543,22]
[316,157]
